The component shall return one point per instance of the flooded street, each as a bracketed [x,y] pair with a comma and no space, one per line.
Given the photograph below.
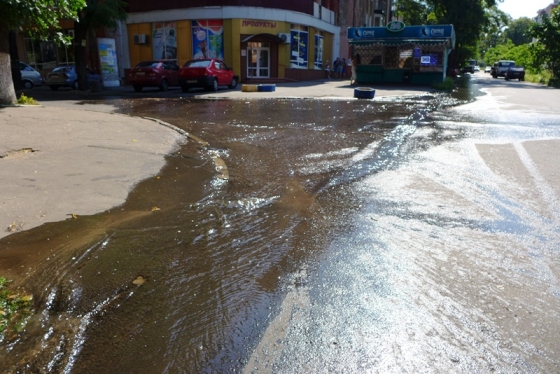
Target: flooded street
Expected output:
[395,235]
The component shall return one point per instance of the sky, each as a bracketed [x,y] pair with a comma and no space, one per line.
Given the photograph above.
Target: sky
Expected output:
[523,8]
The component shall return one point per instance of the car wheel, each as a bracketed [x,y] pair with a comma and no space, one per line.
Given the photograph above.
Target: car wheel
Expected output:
[164,85]
[507,78]
[185,88]
[137,88]
[214,86]
[233,83]
[54,88]
[27,84]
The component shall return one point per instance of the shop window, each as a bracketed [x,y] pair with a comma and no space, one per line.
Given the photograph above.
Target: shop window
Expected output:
[164,41]
[431,59]
[391,57]
[405,58]
[208,39]
[298,47]
[46,55]
[371,54]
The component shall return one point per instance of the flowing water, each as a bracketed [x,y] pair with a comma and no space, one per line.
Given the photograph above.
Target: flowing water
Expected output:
[351,236]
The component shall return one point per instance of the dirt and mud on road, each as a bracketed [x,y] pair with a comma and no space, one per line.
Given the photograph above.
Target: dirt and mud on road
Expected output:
[400,234]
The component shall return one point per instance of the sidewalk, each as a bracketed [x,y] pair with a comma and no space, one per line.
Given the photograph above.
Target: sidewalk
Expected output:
[57,162]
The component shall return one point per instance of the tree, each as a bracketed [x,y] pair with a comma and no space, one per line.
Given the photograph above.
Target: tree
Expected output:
[518,31]
[38,18]
[468,18]
[546,49]
[412,12]
[97,14]
[492,32]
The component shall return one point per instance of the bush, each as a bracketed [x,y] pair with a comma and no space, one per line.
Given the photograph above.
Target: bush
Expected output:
[24,100]
[447,85]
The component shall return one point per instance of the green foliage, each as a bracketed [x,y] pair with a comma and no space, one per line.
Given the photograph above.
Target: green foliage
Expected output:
[412,12]
[39,17]
[521,54]
[518,31]
[546,50]
[25,100]
[447,85]
[14,309]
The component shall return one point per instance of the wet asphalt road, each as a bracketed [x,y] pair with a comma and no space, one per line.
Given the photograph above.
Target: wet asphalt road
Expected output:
[397,235]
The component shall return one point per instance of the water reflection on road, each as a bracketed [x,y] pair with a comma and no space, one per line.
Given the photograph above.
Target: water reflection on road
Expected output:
[352,236]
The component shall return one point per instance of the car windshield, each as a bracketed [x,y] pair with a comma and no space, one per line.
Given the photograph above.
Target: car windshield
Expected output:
[148,64]
[197,64]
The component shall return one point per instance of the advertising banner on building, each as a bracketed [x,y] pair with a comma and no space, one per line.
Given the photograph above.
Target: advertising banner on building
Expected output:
[208,41]
[318,52]
[108,62]
[164,40]
[299,43]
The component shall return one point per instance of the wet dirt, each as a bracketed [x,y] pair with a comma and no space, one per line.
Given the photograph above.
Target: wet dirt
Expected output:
[351,236]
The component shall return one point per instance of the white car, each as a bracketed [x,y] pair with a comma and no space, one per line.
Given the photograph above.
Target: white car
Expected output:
[487,69]
[476,68]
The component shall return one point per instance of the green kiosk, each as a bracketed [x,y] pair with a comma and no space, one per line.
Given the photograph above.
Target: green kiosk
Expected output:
[402,54]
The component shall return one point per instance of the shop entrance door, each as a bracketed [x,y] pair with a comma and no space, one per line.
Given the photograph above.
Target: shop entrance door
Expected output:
[258,65]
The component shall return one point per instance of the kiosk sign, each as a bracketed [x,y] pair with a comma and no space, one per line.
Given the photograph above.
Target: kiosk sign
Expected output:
[395,26]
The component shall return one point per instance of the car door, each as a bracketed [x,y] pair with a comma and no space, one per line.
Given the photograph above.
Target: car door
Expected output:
[172,70]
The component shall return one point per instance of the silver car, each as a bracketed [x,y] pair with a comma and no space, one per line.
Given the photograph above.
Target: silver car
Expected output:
[66,76]
[29,76]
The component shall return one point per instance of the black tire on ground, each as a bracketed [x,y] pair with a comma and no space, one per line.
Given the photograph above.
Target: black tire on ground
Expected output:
[164,85]
[137,88]
[214,86]
[54,88]
[233,83]
[27,84]
[185,88]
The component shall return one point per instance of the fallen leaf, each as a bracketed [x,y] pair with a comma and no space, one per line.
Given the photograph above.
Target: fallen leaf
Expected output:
[155,208]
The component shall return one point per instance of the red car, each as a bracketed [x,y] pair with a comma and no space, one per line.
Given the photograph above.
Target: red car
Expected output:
[160,74]
[209,73]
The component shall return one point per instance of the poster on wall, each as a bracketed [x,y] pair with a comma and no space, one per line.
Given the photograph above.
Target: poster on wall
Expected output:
[298,55]
[318,52]
[208,39]
[108,62]
[164,40]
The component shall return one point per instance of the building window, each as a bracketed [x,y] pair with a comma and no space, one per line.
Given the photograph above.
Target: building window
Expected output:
[298,47]
[208,38]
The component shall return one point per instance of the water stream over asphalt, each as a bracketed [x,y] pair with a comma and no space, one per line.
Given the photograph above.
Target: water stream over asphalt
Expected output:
[352,236]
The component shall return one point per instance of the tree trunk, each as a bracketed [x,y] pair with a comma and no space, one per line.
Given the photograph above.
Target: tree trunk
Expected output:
[80,38]
[16,73]
[7,91]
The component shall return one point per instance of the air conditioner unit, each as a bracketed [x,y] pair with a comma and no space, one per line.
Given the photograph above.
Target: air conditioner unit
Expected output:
[285,37]
[139,38]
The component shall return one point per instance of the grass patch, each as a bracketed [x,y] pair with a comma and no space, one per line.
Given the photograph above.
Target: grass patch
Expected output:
[447,85]
[25,100]
[14,310]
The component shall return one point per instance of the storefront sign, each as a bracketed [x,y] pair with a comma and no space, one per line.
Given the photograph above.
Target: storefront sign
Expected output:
[253,23]
[164,40]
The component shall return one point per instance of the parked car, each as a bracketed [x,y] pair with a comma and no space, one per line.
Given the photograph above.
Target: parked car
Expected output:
[487,69]
[501,67]
[468,69]
[209,73]
[160,74]
[29,76]
[515,72]
[476,68]
[66,76]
